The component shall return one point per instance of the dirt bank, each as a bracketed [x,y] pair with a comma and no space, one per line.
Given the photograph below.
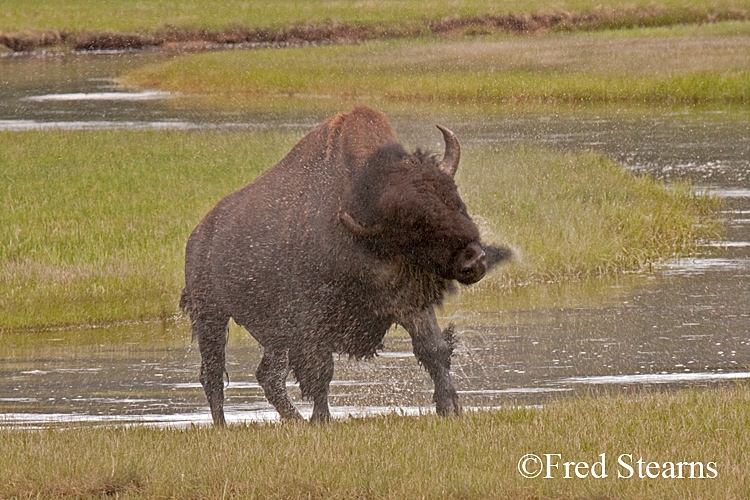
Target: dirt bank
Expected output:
[332,32]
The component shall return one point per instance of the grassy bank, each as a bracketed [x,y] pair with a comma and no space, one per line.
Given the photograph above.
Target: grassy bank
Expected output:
[705,64]
[96,222]
[86,25]
[400,457]
[145,16]
[577,214]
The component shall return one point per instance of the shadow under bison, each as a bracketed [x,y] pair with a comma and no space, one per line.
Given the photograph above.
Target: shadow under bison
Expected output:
[324,252]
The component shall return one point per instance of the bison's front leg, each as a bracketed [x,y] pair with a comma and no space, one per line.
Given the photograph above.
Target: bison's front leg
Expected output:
[433,349]
[314,371]
[271,374]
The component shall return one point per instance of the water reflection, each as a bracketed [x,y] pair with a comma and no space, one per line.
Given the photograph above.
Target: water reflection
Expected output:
[686,324]
[28,125]
[101,96]
[673,329]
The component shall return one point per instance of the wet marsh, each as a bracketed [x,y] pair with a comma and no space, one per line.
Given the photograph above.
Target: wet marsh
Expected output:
[107,254]
[642,333]
[650,345]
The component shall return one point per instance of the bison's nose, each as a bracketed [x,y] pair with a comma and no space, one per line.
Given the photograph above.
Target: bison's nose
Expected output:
[473,264]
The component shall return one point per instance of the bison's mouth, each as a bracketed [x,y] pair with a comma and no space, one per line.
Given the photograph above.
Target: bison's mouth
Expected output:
[471,264]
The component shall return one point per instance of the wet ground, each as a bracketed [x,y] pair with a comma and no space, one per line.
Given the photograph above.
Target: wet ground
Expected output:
[685,324]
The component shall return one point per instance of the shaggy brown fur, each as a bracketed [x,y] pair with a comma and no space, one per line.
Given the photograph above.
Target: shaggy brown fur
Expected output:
[324,252]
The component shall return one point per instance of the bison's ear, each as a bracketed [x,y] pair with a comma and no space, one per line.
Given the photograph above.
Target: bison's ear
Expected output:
[358,229]
[449,165]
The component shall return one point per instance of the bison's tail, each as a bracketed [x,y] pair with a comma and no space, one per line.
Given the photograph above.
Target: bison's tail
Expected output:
[187,307]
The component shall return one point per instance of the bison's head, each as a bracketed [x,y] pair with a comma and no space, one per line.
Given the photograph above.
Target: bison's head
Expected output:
[409,204]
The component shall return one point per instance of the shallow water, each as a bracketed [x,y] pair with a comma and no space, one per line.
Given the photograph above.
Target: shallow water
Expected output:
[686,324]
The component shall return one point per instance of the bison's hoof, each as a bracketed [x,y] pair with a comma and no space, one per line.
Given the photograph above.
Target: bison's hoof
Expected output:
[452,409]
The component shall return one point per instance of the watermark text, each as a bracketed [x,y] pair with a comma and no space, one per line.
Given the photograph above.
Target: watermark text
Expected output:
[625,466]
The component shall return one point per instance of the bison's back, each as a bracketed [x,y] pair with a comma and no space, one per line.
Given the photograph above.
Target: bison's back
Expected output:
[271,254]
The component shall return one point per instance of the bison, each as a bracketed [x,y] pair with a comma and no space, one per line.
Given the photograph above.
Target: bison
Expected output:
[346,236]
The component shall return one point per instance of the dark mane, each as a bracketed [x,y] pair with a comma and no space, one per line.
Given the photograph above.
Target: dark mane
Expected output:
[368,184]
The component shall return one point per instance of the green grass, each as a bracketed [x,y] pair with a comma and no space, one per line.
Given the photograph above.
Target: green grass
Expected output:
[148,16]
[396,457]
[576,214]
[708,64]
[95,223]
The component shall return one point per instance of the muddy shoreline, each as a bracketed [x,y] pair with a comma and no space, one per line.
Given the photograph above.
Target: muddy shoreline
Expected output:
[336,33]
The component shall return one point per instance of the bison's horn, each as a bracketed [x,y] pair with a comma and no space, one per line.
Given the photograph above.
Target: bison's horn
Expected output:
[358,229]
[449,165]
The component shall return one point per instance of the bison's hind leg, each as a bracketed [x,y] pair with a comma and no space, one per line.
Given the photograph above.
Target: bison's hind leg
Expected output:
[210,328]
[271,374]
